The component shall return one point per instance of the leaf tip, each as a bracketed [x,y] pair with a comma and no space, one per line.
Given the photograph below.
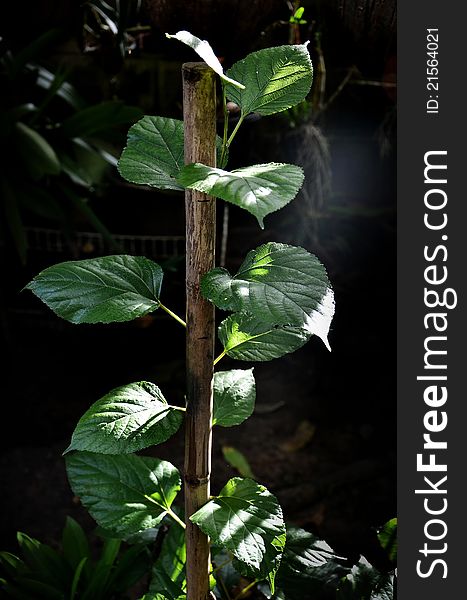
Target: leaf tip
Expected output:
[28,286]
[68,450]
[237,84]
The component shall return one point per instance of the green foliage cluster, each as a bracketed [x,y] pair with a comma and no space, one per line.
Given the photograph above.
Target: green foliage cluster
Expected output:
[279,298]
[43,573]
[59,146]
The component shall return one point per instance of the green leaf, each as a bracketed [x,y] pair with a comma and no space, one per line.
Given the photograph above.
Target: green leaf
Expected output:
[75,545]
[244,337]
[238,461]
[11,565]
[364,582]
[297,16]
[275,79]
[204,51]
[127,419]
[99,582]
[154,154]
[77,577]
[234,397]
[134,564]
[278,284]
[125,494]
[46,81]
[388,538]
[259,189]
[224,571]
[27,588]
[100,290]
[308,565]
[35,50]
[246,519]
[168,571]
[100,118]
[38,155]
[44,562]
[34,148]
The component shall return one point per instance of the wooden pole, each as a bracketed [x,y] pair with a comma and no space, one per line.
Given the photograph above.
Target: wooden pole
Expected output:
[199,113]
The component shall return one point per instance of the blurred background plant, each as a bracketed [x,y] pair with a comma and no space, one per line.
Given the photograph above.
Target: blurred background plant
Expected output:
[56,146]
[45,573]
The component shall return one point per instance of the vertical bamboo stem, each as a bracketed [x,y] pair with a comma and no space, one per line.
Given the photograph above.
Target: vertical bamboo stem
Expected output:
[199,111]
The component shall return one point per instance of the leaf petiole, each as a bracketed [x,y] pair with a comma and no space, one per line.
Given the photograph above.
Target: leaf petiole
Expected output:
[172,314]
[175,517]
[245,589]
[222,161]
[237,127]
[220,357]
[222,565]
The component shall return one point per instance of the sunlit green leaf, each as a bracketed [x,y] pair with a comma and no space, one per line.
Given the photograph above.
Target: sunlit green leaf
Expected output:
[100,290]
[246,519]
[127,419]
[154,154]
[259,189]
[387,536]
[234,397]
[275,79]
[279,284]
[125,494]
[298,14]
[244,337]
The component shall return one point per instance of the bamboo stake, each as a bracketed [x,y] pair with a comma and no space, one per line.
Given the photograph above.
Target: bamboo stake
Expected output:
[199,111]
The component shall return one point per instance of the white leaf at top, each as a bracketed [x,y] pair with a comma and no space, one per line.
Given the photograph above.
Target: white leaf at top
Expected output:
[204,51]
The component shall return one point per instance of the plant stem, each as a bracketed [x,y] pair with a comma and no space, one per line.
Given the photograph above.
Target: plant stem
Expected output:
[222,162]
[221,581]
[245,589]
[176,518]
[172,314]
[199,112]
[220,357]
[234,132]
[222,565]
